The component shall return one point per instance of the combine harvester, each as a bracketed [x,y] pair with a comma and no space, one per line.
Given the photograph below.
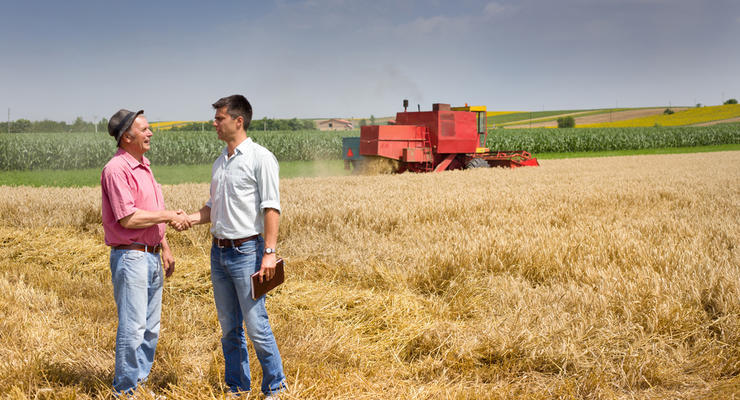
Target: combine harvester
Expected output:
[443,139]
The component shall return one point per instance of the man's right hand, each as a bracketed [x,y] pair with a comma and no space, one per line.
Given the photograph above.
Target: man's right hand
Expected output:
[180,221]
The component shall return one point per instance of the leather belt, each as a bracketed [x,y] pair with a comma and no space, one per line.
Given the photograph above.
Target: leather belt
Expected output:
[140,247]
[221,243]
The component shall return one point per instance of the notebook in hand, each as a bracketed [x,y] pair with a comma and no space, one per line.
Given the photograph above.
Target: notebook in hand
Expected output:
[259,289]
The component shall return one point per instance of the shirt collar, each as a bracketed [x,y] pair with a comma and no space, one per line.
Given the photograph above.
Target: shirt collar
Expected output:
[241,148]
[132,162]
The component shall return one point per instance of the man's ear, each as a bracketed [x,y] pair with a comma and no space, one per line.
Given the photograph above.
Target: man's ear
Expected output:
[240,122]
[125,136]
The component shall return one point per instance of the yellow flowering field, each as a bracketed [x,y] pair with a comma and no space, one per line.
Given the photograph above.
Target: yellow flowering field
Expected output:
[495,113]
[164,125]
[690,116]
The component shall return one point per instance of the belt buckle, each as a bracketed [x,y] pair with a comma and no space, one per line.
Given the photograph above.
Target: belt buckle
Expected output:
[218,243]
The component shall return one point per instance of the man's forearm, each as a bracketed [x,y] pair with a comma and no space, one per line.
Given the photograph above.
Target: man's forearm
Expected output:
[272,224]
[202,216]
[165,244]
[143,219]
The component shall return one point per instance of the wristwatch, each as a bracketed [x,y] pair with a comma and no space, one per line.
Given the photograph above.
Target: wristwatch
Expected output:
[269,250]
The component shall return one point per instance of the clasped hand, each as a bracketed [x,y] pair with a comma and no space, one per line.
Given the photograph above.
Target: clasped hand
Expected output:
[180,221]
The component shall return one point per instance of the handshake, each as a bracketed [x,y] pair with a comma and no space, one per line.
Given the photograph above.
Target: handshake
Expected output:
[180,221]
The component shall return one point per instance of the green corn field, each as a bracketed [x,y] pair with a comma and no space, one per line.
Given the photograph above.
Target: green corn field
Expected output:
[29,151]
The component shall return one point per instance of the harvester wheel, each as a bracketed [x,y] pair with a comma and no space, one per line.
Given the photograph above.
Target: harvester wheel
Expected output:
[476,163]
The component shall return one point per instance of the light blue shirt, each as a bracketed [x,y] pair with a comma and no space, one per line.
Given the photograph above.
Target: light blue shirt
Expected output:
[242,186]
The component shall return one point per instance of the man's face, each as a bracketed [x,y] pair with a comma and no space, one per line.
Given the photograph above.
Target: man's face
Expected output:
[226,126]
[139,136]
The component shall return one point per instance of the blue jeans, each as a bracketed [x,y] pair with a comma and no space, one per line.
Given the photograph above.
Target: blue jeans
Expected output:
[137,288]
[232,291]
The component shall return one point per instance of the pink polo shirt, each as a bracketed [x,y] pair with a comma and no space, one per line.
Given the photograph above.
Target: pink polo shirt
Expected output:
[128,186]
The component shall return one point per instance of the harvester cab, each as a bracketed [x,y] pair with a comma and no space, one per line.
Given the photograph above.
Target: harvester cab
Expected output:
[482,118]
[424,141]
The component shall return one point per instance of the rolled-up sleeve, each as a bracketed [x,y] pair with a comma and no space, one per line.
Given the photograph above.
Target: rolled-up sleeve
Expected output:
[268,182]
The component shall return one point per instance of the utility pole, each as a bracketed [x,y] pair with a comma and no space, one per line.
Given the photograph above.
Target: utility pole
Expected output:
[8,120]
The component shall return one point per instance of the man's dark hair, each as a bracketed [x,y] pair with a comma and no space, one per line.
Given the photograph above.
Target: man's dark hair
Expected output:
[236,106]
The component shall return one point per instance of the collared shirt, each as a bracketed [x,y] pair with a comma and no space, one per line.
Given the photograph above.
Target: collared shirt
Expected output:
[128,186]
[242,186]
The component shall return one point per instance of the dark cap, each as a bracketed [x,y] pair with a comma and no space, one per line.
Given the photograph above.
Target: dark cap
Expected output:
[121,121]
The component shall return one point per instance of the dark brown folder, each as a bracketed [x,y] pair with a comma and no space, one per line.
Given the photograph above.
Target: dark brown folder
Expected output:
[259,289]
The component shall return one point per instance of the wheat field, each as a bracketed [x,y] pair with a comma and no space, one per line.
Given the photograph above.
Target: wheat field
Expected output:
[603,278]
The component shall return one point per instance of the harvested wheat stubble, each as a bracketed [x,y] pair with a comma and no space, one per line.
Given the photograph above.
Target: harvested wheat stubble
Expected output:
[584,278]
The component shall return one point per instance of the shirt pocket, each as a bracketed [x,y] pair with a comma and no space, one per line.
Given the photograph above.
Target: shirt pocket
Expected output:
[239,184]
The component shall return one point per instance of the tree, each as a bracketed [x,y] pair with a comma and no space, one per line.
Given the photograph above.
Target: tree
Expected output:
[21,125]
[49,126]
[731,101]
[566,122]
[372,119]
[81,126]
[103,125]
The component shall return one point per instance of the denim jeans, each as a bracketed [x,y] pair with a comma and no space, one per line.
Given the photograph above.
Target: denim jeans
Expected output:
[231,268]
[137,288]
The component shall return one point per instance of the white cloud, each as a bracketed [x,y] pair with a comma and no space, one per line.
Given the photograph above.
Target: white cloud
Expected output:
[493,9]
[431,24]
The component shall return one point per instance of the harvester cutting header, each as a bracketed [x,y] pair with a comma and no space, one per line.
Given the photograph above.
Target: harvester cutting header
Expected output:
[443,139]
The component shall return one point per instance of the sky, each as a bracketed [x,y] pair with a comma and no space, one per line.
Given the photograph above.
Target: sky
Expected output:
[353,59]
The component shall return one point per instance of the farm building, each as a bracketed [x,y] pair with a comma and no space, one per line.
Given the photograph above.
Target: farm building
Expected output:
[334,124]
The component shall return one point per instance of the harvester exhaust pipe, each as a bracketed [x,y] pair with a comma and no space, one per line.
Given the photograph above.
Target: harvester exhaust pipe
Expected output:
[405,104]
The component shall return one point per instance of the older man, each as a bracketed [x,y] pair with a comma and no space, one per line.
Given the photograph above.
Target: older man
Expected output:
[134,220]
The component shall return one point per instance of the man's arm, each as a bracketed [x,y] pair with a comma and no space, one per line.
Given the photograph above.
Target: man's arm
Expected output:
[272,224]
[168,261]
[201,216]
[143,219]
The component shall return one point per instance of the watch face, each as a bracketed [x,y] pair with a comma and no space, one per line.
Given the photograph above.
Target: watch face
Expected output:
[269,250]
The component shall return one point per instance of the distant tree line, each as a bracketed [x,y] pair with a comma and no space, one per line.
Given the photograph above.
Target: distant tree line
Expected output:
[269,124]
[80,125]
[264,124]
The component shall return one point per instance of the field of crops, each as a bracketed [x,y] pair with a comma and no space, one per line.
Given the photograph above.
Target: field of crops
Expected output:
[165,125]
[680,118]
[490,114]
[503,119]
[611,278]
[88,150]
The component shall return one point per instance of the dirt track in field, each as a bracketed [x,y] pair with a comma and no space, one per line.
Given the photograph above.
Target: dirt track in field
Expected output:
[722,121]
[599,118]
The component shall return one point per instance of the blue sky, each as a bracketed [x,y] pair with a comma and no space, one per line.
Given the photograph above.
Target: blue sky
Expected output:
[342,58]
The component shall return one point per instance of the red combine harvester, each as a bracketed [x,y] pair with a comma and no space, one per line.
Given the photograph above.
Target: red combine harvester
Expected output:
[443,139]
